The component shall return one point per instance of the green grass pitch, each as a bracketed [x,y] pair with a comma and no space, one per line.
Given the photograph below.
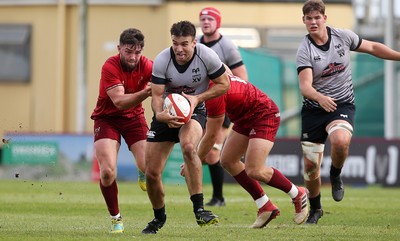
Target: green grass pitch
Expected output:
[47,210]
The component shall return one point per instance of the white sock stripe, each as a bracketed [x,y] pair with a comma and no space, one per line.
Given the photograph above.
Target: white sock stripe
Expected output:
[116,216]
[261,201]
[294,191]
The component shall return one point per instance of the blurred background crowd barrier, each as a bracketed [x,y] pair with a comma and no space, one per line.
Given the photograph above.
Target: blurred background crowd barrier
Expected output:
[70,157]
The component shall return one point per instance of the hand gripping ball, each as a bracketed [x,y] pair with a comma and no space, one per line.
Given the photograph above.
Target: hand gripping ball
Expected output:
[180,106]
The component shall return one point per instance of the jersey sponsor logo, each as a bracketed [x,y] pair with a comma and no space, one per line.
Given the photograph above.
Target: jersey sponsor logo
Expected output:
[333,69]
[344,116]
[185,89]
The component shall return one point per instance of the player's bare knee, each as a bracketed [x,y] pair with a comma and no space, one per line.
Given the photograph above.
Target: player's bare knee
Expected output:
[225,164]
[152,176]
[107,176]
[340,149]
[107,170]
[213,157]
[208,161]
[253,173]
[188,151]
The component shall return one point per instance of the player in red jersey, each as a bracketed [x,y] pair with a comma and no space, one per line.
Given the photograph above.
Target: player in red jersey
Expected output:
[228,52]
[124,84]
[256,121]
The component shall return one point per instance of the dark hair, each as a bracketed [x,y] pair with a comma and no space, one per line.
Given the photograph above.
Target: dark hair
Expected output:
[183,28]
[314,5]
[132,36]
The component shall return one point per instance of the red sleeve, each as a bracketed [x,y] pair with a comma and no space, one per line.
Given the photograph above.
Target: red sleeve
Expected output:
[110,73]
[216,107]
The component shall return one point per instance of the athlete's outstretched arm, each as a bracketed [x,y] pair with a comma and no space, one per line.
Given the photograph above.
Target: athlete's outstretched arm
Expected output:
[378,50]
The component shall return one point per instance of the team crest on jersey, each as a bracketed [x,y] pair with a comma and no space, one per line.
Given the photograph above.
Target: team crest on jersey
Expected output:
[317,58]
[196,76]
[96,131]
[340,50]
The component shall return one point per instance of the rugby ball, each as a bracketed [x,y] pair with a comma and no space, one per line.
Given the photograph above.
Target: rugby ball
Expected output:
[180,106]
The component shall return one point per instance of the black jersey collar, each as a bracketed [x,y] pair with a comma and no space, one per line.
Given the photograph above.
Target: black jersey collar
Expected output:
[324,47]
[184,67]
[212,43]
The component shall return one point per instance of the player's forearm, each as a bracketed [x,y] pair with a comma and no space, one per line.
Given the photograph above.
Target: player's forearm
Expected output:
[205,146]
[156,104]
[384,52]
[311,94]
[216,90]
[130,100]
[306,88]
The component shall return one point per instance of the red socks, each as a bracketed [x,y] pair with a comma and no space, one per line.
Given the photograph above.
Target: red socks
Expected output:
[279,181]
[110,195]
[250,185]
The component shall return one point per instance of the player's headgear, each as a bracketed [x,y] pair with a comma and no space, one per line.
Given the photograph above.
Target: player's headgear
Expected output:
[213,12]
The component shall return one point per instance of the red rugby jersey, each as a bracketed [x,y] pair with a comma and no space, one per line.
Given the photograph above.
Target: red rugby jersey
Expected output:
[242,103]
[112,75]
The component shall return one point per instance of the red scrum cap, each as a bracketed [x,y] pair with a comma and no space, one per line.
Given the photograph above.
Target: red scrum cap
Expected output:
[213,12]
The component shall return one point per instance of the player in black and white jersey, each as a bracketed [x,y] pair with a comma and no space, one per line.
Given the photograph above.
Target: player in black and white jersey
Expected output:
[323,66]
[186,67]
[228,52]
